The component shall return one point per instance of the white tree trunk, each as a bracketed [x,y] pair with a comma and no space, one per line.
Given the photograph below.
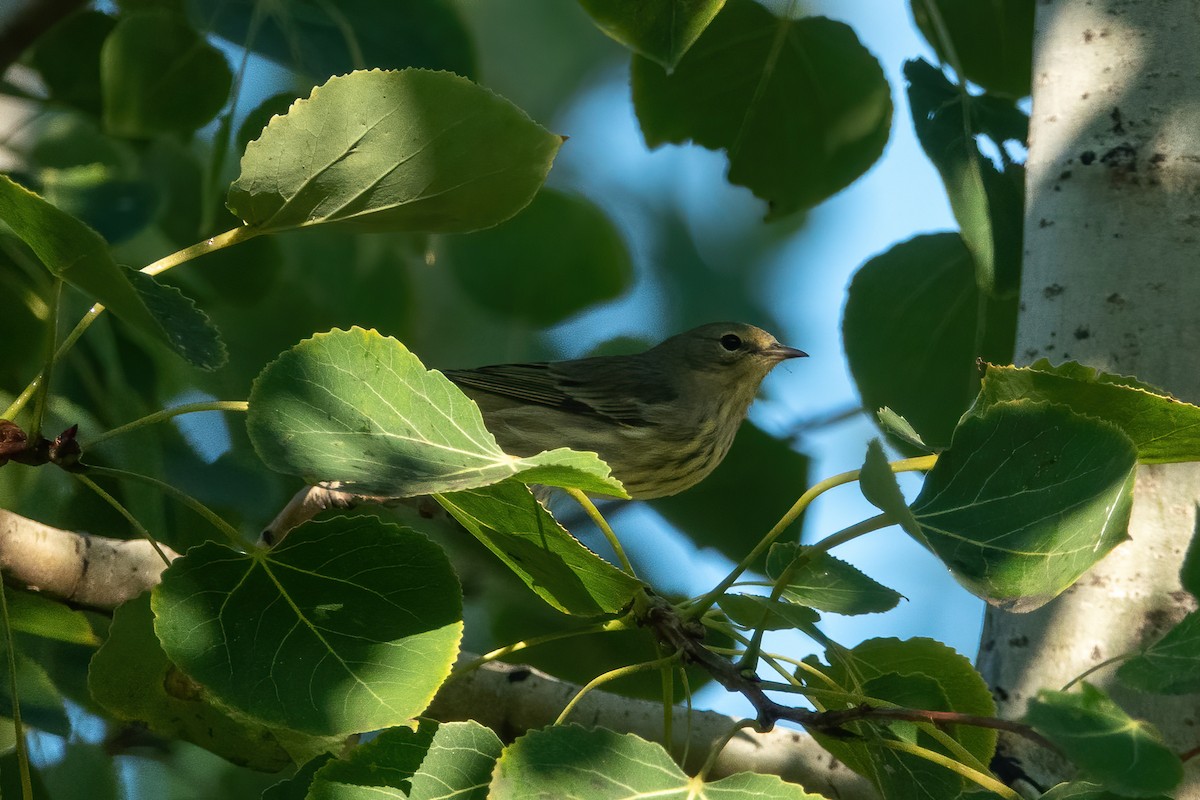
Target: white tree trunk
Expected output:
[1112,279]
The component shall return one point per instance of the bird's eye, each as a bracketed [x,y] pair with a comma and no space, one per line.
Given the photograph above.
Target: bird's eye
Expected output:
[731,342]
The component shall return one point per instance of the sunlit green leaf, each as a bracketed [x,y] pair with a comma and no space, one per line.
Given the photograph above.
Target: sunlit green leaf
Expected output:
[349,625]
[39,616]
[159,75]
[357,407]
[1125,755]
[902,429]
[1025,500]
[569,762]
[828,583]
[523,534]
[449,761]
[992,42]
[1162,428]
[169,704]
[660,30]
[412,150]
[912,320]
[800,107]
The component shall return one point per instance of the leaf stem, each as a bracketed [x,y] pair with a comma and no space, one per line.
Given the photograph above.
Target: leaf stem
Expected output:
[706,602]
[18,726]
[43,390]
[124,512]
[1096,667]
[590,509]
[611,675]
[211,245]
[525,644]
[715,752]
[973,775]
[167,413]
[232,533]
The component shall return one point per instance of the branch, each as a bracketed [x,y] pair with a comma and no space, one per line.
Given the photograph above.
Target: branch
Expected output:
[513,699]
[77,568]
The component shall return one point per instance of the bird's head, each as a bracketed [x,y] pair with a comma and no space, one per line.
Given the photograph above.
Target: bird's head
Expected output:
[725,354]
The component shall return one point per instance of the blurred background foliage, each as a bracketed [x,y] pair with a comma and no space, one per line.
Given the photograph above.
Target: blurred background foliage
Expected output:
[132,115]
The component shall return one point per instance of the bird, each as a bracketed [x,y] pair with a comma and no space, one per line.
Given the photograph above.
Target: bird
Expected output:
[662,419]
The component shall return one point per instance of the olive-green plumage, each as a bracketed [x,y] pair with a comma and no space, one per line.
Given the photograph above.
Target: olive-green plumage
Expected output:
[662,419]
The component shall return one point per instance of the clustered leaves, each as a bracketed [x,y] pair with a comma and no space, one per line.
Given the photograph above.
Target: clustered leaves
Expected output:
[279,658]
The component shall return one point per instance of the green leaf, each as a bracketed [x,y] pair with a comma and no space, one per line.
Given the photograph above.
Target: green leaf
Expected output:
[558,240]
[41,701]
[1163,429]
[988,203]
[705,513]
[921,671]
[348,625]
[913,316]
[1189,571]
[800,107]
[296,787]
[1126,755]
[68,59]
[1169,666]
[569,762]
[879,485]
[320,40]
[1083,790]
[357,407]
[188,330]
[511,523]
[448,761]
[896,425]
[159,76]
[1026,499]
[157,695]
[39,616]
[660,30]
[828,583]
[753,611]
[412,150]
[74,252]
[993,42]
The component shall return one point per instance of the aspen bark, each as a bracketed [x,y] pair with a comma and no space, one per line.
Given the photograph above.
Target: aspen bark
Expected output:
[1110,279]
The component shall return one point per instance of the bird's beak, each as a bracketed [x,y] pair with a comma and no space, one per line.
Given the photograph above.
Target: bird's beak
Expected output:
[781,352]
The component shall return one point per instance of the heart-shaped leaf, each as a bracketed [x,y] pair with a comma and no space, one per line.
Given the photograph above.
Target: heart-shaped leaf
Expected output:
[1026,499]
[349,625]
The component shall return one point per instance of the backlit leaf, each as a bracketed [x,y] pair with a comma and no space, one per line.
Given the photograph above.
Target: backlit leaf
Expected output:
[358,407]
[799,105]
[660,30]
[1126,755]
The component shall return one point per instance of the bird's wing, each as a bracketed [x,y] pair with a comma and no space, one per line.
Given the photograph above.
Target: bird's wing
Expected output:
[606,394]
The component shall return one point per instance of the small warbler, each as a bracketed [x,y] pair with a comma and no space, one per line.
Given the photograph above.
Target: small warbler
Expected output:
[662,419]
